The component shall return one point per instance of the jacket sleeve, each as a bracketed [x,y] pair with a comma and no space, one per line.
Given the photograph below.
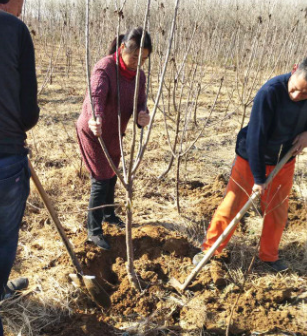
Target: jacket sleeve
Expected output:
[261,119]
[28,83]
[100,89]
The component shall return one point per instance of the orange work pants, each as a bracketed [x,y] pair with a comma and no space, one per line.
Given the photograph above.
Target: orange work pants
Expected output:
[274,204]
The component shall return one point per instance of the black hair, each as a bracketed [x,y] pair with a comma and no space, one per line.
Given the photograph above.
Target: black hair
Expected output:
[132,41]
[302,68]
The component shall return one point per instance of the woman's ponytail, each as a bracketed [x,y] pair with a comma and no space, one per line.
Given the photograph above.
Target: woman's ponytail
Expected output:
[112,47]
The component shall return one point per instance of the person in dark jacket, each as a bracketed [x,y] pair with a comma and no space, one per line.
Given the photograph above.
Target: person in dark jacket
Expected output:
[105,98]
[18,113]
[278,121]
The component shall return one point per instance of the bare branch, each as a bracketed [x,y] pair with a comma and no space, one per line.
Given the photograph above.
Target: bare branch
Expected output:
[103,146]
[138,161]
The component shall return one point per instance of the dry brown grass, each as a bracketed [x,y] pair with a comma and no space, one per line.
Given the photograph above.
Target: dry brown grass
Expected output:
[57,161]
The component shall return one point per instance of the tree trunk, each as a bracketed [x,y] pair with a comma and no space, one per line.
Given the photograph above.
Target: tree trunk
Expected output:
[130,255]
[177,184]
[243,116]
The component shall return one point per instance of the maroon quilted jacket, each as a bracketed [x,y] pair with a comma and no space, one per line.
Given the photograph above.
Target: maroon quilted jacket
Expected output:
[104,92]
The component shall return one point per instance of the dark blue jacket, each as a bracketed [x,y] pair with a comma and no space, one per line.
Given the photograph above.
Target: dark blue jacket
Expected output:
[18,87]
[274,123]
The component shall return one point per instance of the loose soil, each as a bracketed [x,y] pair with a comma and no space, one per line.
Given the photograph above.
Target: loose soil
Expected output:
[297,213]
[161,254]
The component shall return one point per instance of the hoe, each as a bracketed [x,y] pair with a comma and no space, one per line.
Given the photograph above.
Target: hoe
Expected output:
[181,287]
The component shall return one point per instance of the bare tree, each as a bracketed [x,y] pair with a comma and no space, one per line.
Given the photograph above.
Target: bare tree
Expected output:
[127,179]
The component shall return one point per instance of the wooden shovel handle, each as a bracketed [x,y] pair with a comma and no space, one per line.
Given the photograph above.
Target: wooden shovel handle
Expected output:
[235,221]
[55,219]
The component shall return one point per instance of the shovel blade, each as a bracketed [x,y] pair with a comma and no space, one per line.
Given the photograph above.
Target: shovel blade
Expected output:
[98,294]
[176,284]
[76,280]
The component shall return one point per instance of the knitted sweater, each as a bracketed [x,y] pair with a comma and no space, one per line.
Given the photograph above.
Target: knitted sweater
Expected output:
[274,123]
[104,93]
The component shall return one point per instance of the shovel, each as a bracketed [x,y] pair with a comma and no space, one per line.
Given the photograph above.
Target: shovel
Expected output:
[175,283]
[97,293]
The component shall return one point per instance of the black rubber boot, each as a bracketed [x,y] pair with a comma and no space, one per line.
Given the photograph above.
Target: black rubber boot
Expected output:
[100,241]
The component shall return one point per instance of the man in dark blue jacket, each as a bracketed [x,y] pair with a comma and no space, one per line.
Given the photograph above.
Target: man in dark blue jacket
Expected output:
[278,121]
[18,113]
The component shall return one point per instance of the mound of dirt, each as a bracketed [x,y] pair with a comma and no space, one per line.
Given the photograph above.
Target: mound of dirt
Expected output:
[207,197]
[160,255]
[297,214]
[82,324]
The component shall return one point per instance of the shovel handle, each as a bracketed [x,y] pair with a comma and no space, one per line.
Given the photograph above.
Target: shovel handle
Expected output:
[96,291]
[235,221]
[55,219]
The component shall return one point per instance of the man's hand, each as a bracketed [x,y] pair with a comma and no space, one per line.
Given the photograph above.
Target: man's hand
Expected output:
[300,142]
[260,188]
[95,126]
[143,118]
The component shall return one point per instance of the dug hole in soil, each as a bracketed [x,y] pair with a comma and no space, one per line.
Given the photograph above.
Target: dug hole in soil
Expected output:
[159,255]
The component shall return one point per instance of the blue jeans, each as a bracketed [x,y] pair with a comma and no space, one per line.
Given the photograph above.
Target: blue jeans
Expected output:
[14,191]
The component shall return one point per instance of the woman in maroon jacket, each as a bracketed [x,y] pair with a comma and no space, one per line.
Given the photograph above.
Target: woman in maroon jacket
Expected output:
[105,98]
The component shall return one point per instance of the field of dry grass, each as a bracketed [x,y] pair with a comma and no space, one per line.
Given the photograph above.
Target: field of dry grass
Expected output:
[165,242]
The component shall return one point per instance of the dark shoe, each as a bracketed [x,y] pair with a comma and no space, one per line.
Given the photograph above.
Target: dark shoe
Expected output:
[278,265]
[100,241]
[13,287]
[113,219]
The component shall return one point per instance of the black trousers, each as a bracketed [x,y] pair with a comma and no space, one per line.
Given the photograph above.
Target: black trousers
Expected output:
[102,192]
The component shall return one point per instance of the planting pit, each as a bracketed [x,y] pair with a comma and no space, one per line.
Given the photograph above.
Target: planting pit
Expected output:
[160,255]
